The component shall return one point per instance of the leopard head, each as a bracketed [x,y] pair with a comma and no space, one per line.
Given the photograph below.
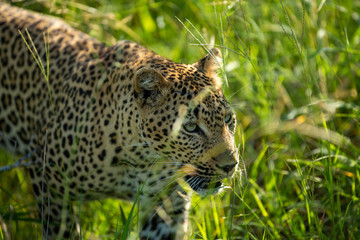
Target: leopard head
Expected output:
[186,118]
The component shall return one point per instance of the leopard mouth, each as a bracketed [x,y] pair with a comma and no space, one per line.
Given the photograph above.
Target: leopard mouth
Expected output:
[203,185]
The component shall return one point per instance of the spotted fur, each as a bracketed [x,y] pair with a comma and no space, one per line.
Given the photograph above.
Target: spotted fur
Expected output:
[111,122]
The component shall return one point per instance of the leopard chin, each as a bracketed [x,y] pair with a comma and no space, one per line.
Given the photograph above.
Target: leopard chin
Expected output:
[203,185]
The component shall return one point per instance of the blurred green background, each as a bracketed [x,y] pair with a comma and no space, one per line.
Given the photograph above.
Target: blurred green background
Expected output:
[292,74]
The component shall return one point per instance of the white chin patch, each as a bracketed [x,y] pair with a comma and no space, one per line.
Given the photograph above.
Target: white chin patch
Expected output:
[203,192]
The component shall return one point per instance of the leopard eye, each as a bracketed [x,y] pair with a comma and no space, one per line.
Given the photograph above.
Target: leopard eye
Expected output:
[228,118]
[191,127]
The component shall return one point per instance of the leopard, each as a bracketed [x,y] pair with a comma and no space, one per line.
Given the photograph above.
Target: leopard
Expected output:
[120,121]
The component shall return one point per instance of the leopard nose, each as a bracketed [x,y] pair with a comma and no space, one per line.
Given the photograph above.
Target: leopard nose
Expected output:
[228,167]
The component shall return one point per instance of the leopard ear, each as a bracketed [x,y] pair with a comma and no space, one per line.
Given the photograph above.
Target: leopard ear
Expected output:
[210,63]
[150,86]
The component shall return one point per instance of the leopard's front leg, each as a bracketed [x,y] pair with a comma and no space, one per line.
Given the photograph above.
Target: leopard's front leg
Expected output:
[55,210]
[166,217]
[50,179]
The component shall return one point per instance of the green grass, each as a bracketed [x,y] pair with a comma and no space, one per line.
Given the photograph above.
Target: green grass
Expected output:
[293,77]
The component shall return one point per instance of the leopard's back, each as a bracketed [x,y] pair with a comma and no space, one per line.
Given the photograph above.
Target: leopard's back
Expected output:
[28,102]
